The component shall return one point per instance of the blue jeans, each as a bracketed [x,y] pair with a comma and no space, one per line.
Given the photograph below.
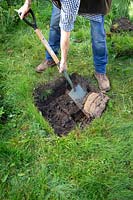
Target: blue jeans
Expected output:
[54,34]
[98,38]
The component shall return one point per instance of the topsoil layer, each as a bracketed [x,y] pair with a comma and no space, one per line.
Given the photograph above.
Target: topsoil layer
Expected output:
[58,108]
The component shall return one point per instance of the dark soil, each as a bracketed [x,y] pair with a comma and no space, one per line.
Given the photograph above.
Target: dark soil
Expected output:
[58,108]
[122,24]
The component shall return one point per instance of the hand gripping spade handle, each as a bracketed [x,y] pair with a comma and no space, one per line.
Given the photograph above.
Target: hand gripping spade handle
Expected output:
[33,24]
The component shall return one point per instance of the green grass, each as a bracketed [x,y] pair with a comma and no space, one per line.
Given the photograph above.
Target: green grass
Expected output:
[89,164]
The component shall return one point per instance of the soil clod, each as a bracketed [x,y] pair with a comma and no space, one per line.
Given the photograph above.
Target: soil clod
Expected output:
[122,24]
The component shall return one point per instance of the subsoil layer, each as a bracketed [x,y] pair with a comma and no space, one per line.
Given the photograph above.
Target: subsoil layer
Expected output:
[58,108]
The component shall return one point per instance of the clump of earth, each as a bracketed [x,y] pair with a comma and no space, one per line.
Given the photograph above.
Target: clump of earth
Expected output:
[122,24]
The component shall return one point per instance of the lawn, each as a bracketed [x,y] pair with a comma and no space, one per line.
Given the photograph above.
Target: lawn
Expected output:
[93,163]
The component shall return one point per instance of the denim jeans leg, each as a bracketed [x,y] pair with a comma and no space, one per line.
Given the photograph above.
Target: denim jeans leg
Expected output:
[99,47]
[54,34]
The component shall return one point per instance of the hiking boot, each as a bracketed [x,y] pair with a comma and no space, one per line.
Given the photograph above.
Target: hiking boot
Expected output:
[44,65]
[103,81]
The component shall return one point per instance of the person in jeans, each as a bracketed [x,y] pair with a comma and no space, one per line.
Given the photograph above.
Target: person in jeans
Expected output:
[62,23]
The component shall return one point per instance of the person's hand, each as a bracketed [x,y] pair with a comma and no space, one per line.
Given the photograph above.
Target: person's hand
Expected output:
[23,10]
[63,66]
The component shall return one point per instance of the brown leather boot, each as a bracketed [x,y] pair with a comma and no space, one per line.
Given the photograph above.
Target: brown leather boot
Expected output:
[103,81]
[44,65]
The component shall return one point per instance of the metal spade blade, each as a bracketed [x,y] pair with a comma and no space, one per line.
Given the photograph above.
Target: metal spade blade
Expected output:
[77,94]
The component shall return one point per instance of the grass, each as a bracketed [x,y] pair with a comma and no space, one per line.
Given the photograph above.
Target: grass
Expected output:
[89,164]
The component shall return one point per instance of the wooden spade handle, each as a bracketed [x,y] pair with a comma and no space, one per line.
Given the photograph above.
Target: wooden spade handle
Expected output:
[53,55]
[47,46]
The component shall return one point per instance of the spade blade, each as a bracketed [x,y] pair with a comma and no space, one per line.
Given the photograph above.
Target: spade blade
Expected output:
[77,95]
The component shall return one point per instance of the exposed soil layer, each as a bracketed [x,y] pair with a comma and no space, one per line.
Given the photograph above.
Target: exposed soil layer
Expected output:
[58,108]
[122,24]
